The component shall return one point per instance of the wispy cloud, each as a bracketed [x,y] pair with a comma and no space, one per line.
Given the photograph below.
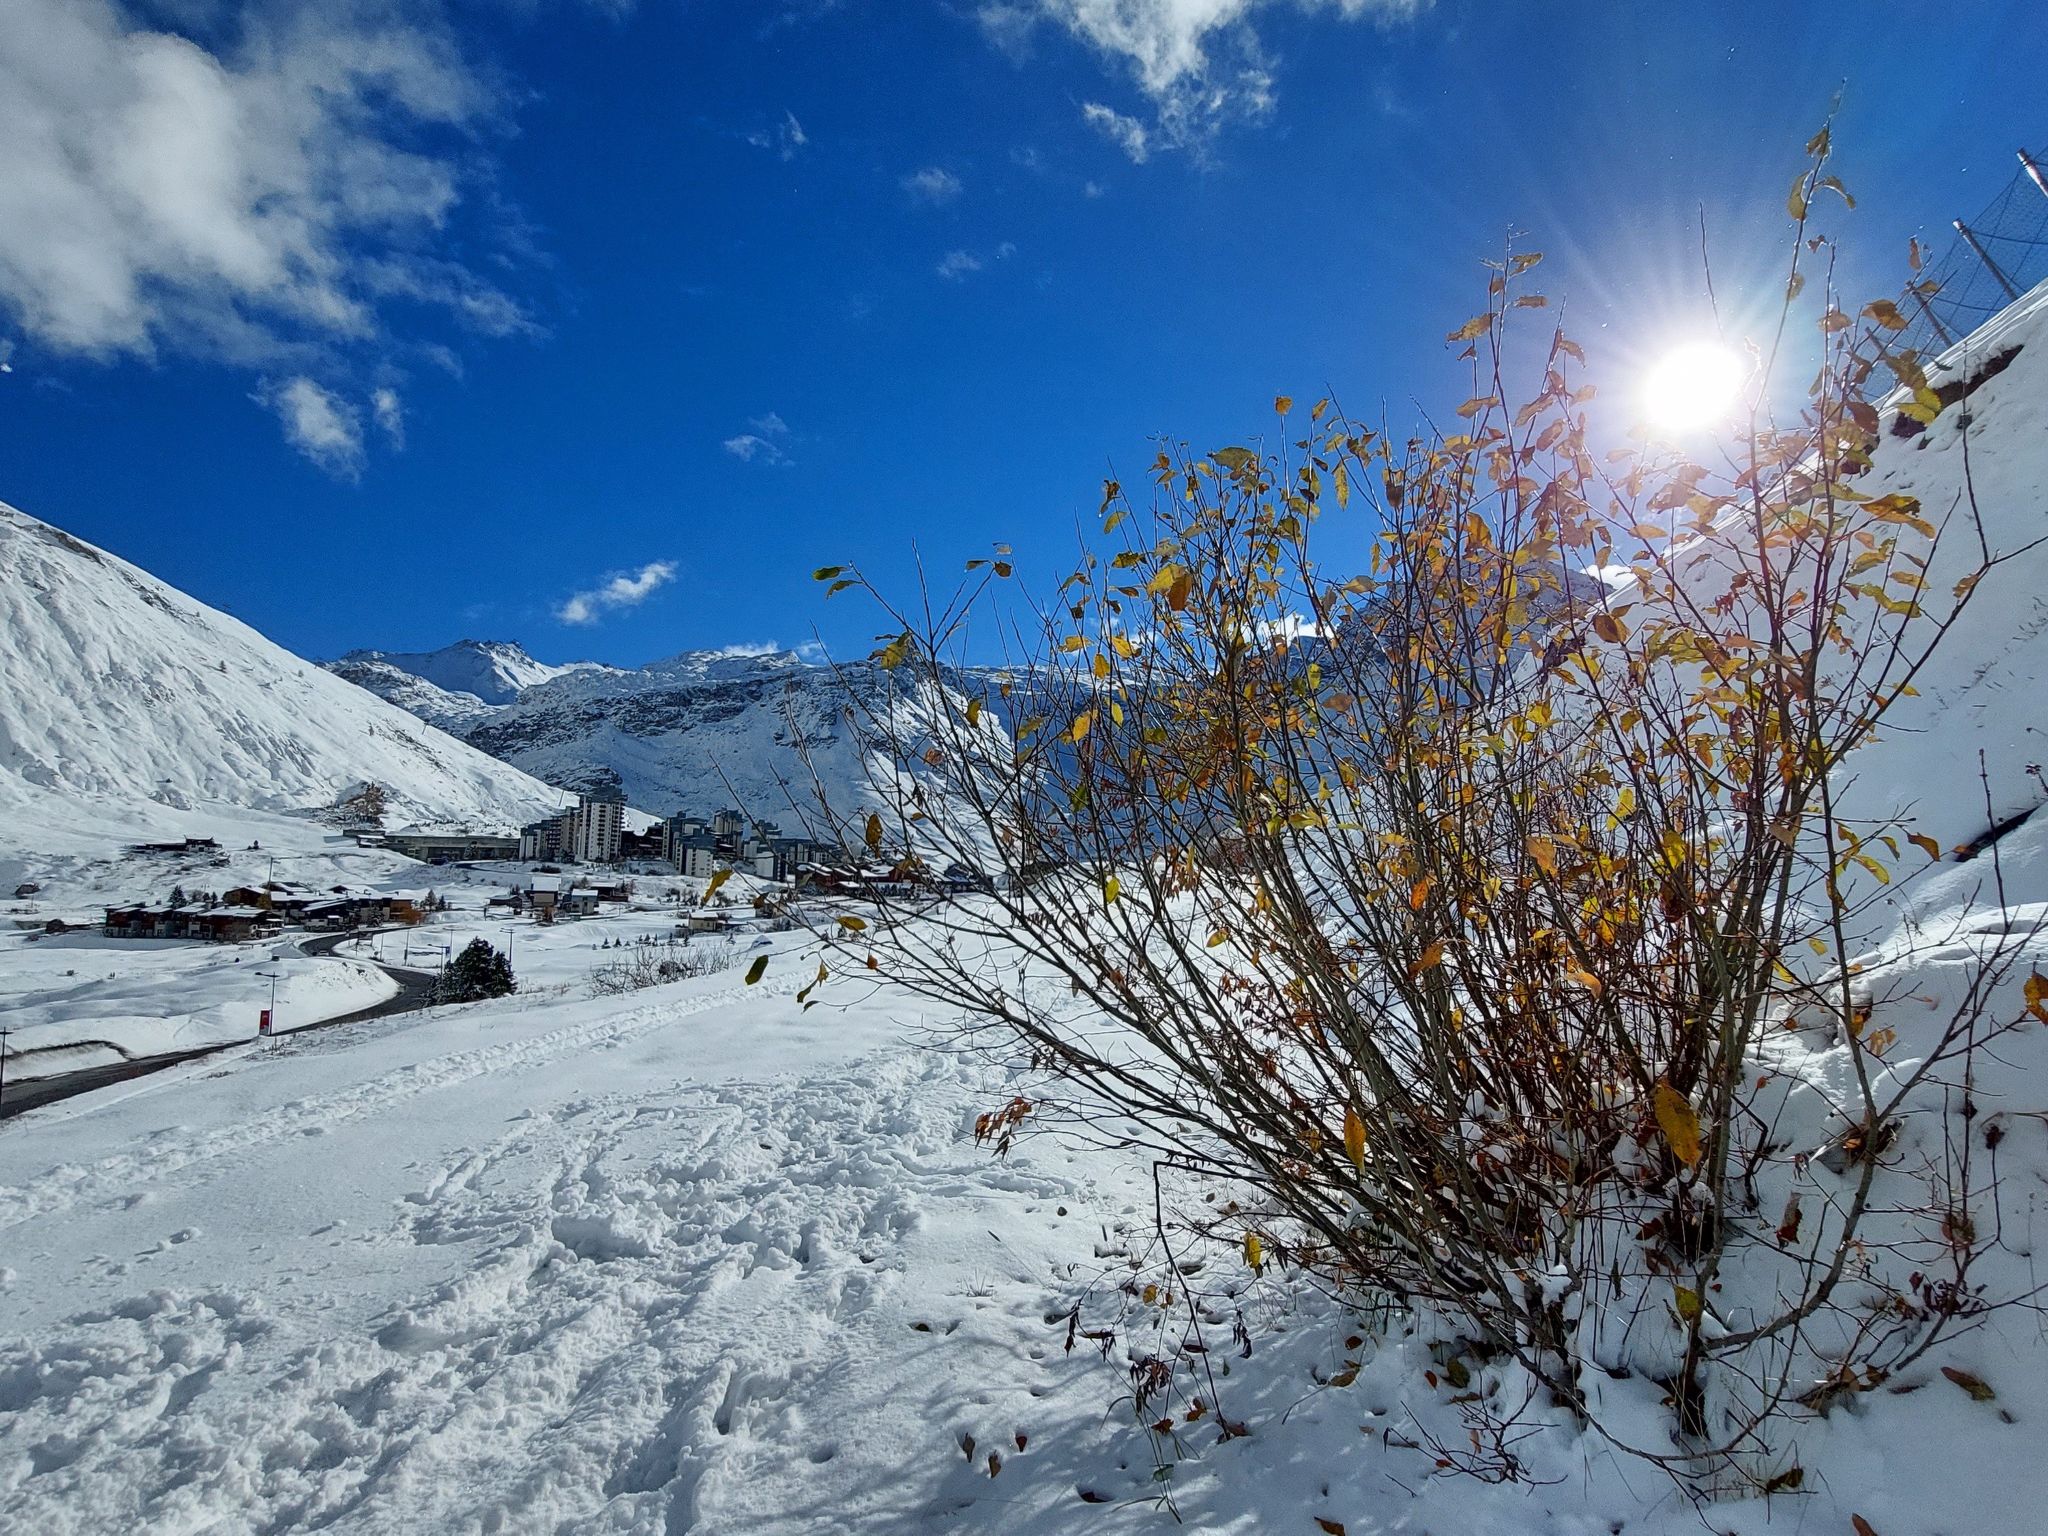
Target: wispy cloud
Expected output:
[625,589]
[784,138]
[934,184]
[1127,133]
[390,414]
[319,423]
[257,193]
[1198,62]
[958,266]
[764,441]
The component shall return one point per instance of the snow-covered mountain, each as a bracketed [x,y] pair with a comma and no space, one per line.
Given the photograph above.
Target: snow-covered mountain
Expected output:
[694,732]
[763,731]
[451,711]
[120,692]
[490,671]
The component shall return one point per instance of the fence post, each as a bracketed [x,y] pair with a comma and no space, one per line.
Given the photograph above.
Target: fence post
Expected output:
[2033,173]
[1985,257]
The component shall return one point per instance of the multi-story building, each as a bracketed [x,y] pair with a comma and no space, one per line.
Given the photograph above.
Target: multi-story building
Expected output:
[597,821]
[541,841]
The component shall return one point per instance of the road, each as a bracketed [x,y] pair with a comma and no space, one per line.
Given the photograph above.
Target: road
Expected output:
[413,987]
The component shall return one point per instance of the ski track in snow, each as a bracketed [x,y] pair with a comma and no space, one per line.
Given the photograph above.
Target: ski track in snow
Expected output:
[118,1176]
[686,1309]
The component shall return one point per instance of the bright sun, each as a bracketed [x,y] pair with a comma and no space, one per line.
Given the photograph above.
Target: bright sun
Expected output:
[1695,386]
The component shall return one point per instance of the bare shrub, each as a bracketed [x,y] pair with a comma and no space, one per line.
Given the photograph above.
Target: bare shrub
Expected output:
[649,964]
[1455,918]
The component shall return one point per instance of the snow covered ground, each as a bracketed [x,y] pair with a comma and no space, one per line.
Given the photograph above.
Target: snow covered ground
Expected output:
[700,1259]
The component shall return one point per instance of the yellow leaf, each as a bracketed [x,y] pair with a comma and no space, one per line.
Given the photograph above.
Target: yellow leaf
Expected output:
[1111,889]
[1082,722]
[1886,314]
[1681,1127]
[1795,202]
[873,831]
[1688,1302]
[1609,628]
[718,878]
[1925,844]
[1472,329]
[2037,996]
[1544,852]
[1354,1138]
[973,712]
[853,924]
[757,969]
[1254,1252]
[1429,959]
[1282,404]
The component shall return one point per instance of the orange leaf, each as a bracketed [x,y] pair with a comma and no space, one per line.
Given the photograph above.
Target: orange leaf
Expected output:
[1429,959]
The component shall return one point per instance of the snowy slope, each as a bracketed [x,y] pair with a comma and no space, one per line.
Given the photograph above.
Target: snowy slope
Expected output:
[119,691]
[695,732]
[491,671]
[452,712]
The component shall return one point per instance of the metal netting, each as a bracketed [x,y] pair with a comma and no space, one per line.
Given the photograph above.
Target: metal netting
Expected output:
[1973,282]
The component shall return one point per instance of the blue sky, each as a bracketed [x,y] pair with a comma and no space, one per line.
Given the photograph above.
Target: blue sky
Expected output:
[383,322]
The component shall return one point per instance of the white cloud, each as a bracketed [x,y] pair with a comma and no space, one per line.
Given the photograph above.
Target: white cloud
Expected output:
[320,424]
[390,414]
[256,199]
[954,266]
[764,440]
[934,184]
[1199,62]
[621,590]
[1127,133]
[785,138]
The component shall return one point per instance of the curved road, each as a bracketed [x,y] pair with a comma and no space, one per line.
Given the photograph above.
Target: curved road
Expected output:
[413,988]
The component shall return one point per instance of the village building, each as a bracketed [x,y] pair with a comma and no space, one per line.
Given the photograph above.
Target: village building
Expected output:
[451,847]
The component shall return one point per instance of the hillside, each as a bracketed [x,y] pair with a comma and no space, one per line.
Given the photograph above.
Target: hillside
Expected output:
[491,671]
[122,698]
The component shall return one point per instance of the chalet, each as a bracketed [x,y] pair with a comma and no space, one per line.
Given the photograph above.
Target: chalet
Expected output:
[611,888]
[708,920]
[578,901]
[408,906]
[231,925]
[219,925]
[543,894]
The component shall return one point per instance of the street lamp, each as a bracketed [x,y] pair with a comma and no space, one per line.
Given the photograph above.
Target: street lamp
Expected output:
[274,978]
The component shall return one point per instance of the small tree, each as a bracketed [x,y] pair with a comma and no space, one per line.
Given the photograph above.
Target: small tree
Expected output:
[178,897]
[478,972]
[1446,912]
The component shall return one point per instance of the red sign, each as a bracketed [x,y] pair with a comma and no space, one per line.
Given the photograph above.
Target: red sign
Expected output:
[263,1023]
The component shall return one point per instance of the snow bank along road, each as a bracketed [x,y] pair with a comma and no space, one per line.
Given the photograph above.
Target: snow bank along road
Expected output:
[691,1259]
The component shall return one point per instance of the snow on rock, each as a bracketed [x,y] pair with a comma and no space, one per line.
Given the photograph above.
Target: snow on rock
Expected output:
[118,690]
[489,671]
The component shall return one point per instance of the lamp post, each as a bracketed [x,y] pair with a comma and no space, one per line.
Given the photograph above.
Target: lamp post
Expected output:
[271,1011]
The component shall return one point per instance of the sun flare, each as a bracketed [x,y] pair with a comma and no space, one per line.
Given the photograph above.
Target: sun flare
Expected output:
[1693,387]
